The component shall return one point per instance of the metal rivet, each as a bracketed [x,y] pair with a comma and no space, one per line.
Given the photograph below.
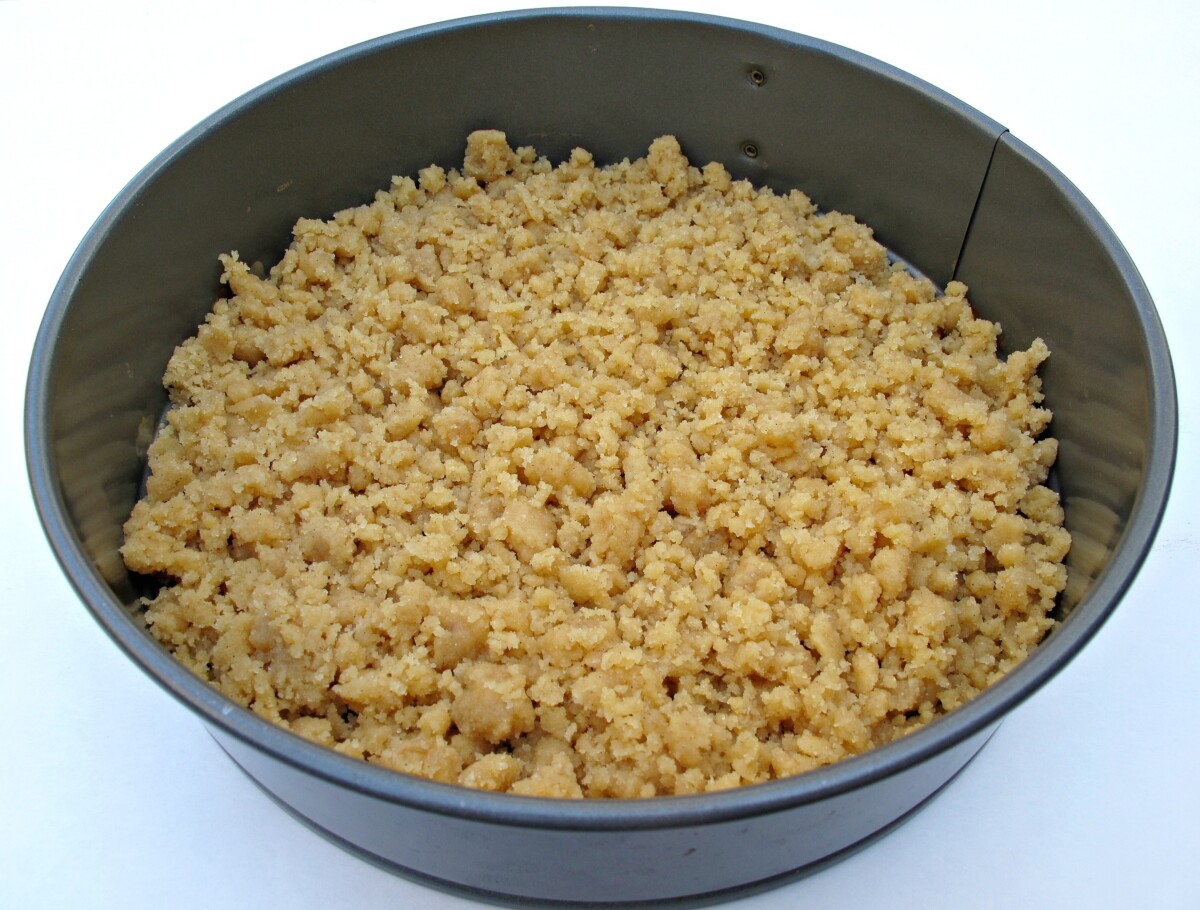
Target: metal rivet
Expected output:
[750,150]
[757,76]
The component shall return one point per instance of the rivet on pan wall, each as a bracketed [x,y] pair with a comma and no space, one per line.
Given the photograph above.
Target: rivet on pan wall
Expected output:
[757,76]
[749,149]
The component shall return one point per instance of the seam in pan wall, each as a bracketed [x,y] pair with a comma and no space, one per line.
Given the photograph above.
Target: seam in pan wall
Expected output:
[975,208]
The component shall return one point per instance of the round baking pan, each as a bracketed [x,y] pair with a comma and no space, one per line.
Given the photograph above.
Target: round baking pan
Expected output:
[945,188]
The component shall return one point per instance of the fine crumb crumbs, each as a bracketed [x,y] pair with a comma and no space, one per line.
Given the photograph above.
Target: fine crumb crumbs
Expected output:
[610,482]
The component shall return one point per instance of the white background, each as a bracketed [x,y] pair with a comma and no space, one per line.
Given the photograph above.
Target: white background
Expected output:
[112,795]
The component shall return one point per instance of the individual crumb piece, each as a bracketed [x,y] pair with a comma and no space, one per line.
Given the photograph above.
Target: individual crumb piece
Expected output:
[555,778]
[488,156]
[494,771]
[460,633]
[579,481]
[493,705]
[529,529]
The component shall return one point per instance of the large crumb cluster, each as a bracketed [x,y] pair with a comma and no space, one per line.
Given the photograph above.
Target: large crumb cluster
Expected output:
[597,482]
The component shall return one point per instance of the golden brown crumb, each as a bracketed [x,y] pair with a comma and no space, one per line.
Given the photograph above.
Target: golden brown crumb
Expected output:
[597,482]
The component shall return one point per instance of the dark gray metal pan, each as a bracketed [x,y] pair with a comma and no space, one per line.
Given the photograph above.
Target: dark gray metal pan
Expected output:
[946,188]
